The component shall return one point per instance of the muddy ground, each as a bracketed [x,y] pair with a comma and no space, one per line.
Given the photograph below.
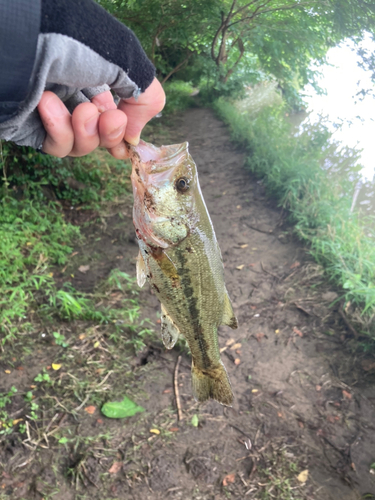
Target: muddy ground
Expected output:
[304,397]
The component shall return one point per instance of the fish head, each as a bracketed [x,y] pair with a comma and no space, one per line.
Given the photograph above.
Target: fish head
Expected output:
[164,184]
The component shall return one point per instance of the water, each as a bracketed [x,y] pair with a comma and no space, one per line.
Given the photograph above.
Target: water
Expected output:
[350,118]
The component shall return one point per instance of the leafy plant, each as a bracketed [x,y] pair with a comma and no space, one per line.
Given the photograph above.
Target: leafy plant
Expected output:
[121,409]
[60,339]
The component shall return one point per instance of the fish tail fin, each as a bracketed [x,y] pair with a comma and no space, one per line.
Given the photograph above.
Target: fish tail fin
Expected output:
[212,384]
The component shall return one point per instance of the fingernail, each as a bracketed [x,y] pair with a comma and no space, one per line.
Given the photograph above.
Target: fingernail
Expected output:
[55,107]
[117,132]
[91,126]
[133,140]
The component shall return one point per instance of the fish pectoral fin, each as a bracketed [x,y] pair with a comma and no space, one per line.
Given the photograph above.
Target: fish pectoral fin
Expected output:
[212,383]
[141,271]
[169,331]
[228,315]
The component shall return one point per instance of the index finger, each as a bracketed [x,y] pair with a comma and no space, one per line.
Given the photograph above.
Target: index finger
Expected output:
[104,101]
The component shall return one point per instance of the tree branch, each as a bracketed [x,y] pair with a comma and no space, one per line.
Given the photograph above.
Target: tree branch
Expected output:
[177,68]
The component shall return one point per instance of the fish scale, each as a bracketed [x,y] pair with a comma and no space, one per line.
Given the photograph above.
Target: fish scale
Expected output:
[180,257]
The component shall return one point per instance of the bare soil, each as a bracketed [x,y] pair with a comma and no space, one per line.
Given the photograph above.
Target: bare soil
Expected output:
[304,396]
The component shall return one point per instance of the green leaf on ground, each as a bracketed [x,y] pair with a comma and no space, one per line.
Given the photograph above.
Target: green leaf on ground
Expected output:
[195,420]
[121,409]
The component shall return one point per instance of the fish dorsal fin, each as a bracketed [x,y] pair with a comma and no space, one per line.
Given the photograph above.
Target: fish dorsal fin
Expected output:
[228,315]
[141,271]
[169,331]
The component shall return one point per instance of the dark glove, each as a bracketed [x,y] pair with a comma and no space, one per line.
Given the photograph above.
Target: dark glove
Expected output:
[81,51]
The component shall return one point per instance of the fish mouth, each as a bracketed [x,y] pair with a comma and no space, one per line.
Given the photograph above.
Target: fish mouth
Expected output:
[155,160]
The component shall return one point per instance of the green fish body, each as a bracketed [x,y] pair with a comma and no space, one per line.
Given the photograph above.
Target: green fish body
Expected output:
[180,257]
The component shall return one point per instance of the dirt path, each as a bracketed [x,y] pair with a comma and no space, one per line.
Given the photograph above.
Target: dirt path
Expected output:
[299,396]
[303,403]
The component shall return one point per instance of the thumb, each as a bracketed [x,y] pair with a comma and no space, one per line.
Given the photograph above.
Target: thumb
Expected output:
[140,111]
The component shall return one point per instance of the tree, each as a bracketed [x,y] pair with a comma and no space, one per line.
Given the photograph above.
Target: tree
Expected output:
[279,37]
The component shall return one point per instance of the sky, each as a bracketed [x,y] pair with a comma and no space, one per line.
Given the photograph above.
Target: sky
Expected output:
[340,79]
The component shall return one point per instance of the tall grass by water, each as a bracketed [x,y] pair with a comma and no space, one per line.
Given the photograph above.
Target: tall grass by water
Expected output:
[294,170]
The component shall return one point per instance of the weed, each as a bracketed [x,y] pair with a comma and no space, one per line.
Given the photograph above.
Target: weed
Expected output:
[318,199]
[43,377]
[7,398]
[6,422]
[60,339]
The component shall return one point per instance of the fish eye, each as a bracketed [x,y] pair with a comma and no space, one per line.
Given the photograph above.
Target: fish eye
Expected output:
[182,184]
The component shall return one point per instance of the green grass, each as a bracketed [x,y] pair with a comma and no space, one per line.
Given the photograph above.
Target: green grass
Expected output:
[318,200]
[53,329]
[178,96]
[35,237]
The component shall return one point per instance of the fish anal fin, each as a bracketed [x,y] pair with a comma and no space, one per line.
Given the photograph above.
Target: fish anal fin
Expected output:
[169,331]
[141,271]
[212,384]
[228,315]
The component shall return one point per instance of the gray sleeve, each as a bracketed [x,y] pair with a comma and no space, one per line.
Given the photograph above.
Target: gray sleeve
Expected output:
[71,70]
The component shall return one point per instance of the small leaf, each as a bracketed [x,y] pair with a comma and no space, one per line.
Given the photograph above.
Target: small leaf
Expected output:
[298,332]
[346,394]
[240,267]
[90,410]
[83,269]
[229,342]
[63,440]
[56,366]
[230,478]
[115,468]
[121,409]
[155,431]
[303,476]
[295,264]
[7,372]
[244,246]
[174,429]
[195,420]
[236,346]
[97,344]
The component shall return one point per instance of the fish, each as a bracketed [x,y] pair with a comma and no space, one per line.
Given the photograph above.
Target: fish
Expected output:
[180,257]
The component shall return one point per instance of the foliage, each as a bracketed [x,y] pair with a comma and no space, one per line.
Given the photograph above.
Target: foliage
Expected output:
[318,199]
[277,38]
[178,96]
[34,235]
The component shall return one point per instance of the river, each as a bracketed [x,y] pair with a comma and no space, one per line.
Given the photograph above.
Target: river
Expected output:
[351,116]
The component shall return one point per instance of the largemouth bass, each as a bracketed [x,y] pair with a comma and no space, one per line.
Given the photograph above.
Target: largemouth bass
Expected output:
[180,257]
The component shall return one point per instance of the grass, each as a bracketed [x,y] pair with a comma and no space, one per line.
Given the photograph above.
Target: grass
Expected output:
[295,172]
[51,329]
[34,235]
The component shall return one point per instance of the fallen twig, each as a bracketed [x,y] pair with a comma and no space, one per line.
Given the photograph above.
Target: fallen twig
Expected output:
[302,309]
[348,324]
[268,272]
[270,231]
[176,391]
[241,431]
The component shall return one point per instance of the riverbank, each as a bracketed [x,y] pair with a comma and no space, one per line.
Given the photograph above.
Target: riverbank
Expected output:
[318,201]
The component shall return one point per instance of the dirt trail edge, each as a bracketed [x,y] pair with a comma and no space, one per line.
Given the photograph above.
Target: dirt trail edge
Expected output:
[303,422]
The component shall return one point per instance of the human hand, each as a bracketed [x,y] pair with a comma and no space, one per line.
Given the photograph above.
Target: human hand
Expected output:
[97,123]
[82,52]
